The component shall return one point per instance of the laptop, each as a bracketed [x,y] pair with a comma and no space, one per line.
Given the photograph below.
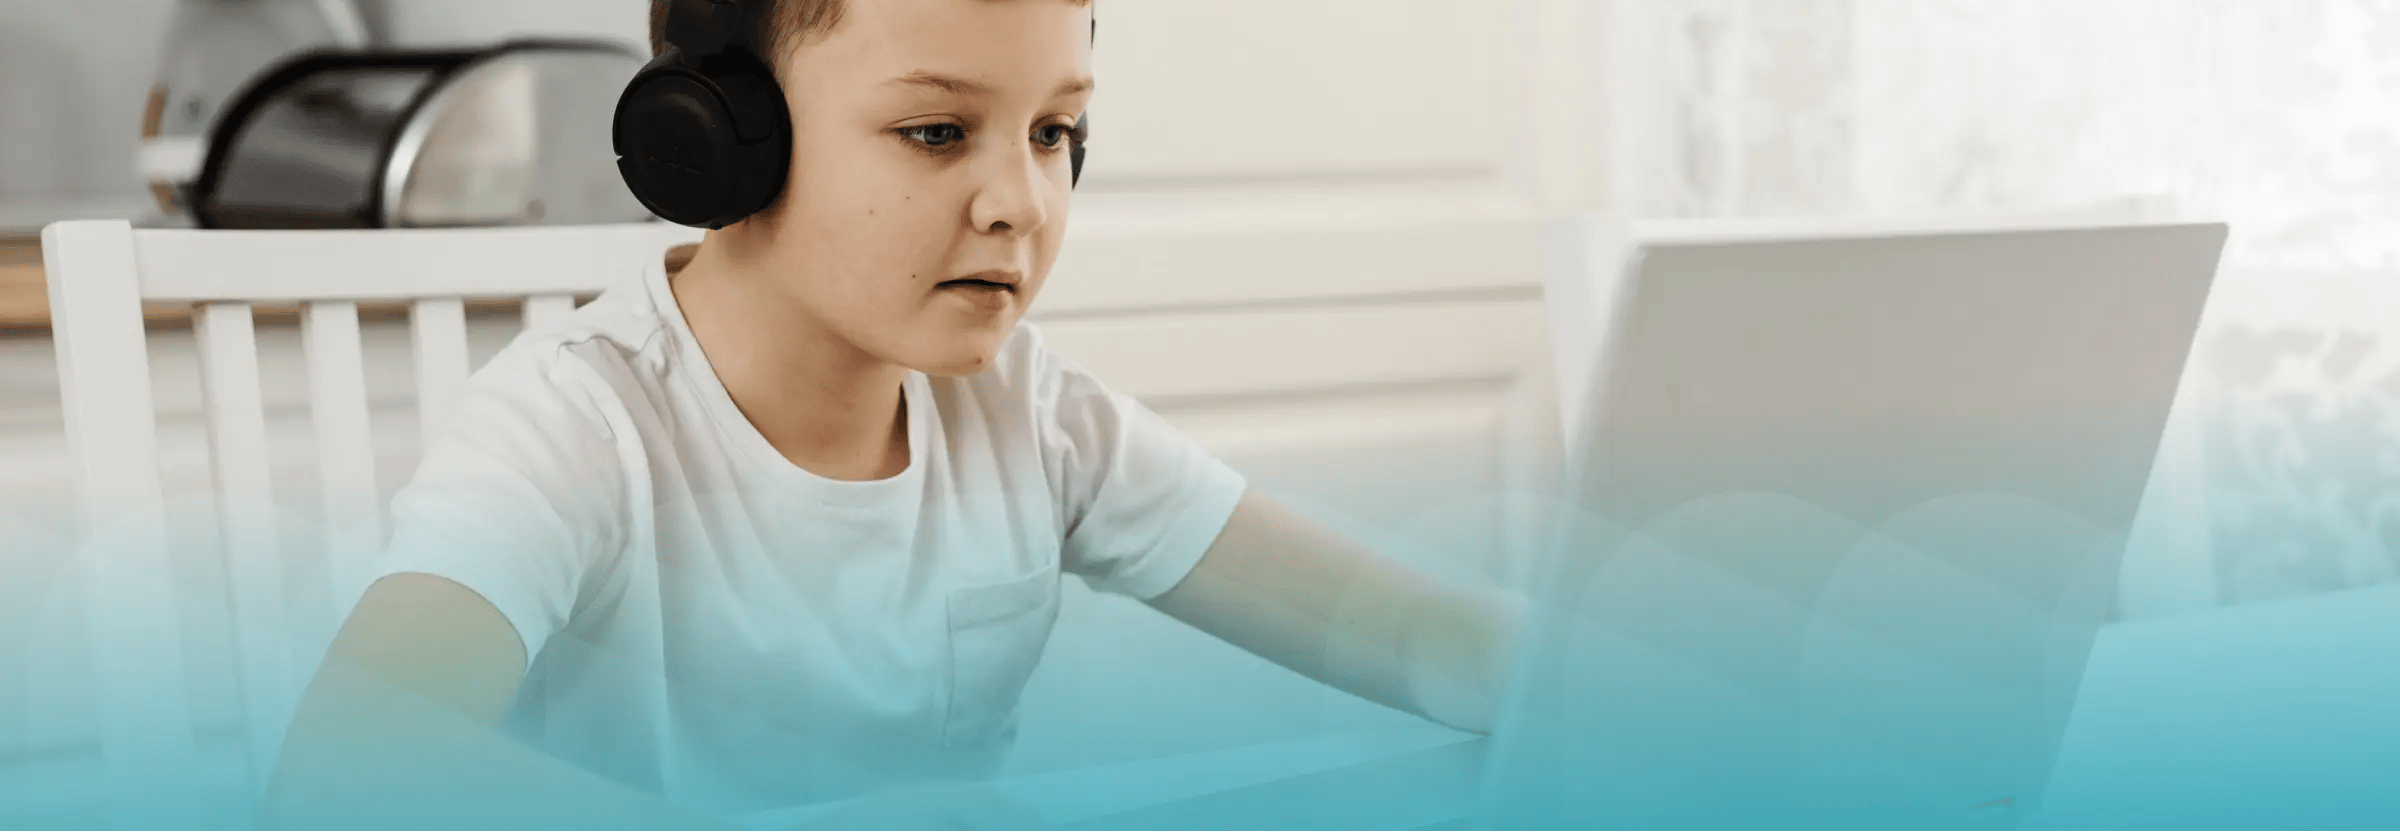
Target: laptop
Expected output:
[1843,514]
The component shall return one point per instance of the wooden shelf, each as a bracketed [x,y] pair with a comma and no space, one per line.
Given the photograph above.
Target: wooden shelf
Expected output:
[24,298]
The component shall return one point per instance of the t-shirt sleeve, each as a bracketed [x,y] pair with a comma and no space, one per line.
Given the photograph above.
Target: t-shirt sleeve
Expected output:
[1141,501]
[519,495]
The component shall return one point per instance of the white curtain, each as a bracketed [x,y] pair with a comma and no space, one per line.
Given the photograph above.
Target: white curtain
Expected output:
[2281,118]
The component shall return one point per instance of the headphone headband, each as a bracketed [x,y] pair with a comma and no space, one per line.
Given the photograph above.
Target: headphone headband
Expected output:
[705,28]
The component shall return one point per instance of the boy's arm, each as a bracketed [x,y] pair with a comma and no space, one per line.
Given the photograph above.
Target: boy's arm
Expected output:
[1281,586]
[400,729]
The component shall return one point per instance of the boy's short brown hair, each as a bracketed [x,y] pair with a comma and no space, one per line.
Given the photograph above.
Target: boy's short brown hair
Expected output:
[792,21]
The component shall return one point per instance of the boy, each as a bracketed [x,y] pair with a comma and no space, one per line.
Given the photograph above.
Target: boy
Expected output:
[790,526]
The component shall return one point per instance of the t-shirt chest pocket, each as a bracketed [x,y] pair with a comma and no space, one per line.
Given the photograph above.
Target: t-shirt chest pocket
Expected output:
[997,632]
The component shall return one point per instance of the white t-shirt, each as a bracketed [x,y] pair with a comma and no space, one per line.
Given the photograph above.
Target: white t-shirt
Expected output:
[709,621]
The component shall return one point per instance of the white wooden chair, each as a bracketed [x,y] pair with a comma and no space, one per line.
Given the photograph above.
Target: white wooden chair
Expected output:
[101,273]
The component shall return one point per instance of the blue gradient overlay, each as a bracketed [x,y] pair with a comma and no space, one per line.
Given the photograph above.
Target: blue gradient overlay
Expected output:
[1743,660]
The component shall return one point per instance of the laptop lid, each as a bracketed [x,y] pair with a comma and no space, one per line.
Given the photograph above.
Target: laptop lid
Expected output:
[1843,515]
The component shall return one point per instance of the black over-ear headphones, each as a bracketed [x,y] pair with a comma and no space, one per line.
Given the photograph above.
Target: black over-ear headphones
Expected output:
[702,134]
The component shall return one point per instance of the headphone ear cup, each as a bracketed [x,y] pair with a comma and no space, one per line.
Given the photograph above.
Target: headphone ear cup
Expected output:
[1075,150]
[699,152]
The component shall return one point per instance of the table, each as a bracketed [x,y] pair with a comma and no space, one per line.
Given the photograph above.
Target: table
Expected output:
[2268,715]
[24,301]
[2281,714]
[1409,779]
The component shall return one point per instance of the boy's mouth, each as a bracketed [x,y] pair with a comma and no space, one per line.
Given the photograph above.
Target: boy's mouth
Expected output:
[985,280]
[988,292]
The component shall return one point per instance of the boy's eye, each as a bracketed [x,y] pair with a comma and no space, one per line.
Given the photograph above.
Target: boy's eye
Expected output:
[935,135]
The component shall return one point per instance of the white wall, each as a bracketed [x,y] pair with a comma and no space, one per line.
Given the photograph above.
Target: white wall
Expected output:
[436,23]
[73,78]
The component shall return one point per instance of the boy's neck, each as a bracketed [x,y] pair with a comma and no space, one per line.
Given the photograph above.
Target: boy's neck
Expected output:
[826,405]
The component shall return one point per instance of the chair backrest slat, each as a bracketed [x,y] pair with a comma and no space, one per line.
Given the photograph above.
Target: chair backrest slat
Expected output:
[438,334]
[183,264]
[548,310]
[237,434]
[129,599]
[103,360]
[337,392]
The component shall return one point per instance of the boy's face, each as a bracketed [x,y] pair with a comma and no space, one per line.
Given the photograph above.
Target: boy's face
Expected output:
[929,177]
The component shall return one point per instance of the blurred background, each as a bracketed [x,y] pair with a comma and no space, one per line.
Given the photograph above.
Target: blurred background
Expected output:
[2279,116]
[1307,234]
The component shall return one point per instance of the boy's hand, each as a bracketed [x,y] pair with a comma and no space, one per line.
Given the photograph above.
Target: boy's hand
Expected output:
[939,805]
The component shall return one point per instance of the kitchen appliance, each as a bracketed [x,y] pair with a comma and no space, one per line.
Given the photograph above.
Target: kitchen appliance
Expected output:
[511,135]
[214,50]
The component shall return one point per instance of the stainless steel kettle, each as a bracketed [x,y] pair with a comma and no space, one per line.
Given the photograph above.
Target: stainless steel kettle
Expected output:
[214,50]
[513,135]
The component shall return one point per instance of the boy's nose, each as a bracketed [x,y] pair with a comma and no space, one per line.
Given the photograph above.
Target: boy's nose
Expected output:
[1010,199]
